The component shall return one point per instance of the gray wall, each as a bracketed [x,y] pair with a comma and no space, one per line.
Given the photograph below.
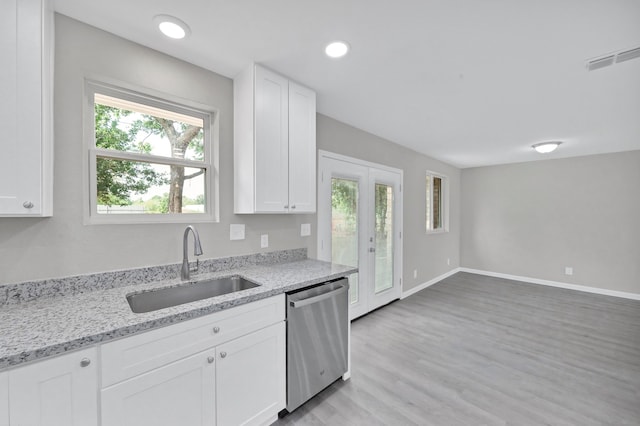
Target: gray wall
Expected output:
[426,253]
[533,219]
[61,245]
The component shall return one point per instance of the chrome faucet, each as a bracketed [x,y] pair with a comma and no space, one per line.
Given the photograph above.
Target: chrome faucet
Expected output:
[197,251]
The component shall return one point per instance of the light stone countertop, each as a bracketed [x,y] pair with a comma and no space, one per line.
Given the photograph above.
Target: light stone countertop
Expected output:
[49,326]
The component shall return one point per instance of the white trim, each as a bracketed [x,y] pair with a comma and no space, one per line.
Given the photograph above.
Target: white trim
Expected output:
[156,99]
[429,283]
[340,157]
[48,137]
[583,288]
[444,203]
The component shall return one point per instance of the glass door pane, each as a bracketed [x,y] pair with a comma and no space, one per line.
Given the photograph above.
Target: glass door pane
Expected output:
[383,237]
[344,228]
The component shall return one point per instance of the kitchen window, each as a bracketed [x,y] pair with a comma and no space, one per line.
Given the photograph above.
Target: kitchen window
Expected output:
[437,203]
[149,159]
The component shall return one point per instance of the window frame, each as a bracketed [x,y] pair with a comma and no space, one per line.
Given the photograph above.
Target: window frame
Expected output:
[210,162]
[444,202]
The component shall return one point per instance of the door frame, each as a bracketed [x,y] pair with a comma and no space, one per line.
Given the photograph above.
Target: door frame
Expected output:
[324,213]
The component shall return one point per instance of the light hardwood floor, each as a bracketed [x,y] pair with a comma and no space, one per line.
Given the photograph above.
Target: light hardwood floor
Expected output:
[476,350]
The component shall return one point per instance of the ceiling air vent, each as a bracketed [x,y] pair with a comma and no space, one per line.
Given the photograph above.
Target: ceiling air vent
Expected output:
[596,64]
[628,55]
[613,58]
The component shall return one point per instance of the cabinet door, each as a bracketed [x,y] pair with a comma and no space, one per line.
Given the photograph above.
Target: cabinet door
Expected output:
[271,142]
[250,386]
[302,149]
[180,393]
[61,391]
[4,399]
[25,85]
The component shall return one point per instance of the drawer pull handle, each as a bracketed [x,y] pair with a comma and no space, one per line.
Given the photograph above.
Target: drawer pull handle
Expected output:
[223,354]
[27,205]
[210,360]
[216,330]
[85,362]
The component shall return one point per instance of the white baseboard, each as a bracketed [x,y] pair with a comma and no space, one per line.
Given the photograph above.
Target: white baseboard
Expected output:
[586,289]
[429,283]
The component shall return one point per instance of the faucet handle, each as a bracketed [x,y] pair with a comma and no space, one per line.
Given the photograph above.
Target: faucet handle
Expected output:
[195,269]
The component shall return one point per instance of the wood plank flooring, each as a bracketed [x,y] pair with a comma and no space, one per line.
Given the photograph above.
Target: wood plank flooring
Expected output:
[476,350]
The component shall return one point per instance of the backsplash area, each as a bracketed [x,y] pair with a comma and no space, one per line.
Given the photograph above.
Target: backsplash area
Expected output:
[56,287]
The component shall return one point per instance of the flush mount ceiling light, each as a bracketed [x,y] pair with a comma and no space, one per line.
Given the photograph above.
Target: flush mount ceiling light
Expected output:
[336,49]
[171,26]
[546,147]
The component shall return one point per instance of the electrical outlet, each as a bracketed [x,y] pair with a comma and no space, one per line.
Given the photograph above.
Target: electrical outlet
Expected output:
[568,270]
[415,273]
[236,231]
[305,229]
[448,261]
[264,240]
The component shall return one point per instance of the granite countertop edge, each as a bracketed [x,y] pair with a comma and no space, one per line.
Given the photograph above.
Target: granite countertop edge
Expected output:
[44,328]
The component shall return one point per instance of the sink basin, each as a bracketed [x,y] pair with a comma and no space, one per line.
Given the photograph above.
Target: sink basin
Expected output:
[173,296]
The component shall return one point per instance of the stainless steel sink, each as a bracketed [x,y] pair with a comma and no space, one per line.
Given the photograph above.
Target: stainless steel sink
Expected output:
[173,296]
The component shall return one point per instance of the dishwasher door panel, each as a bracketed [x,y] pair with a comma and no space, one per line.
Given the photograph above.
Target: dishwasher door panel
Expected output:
[317,333]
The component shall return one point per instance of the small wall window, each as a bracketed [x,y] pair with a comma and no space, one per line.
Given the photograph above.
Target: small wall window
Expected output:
[150,160]
[437,203]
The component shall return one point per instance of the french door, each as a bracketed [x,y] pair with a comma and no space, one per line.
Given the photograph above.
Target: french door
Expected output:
[360,224]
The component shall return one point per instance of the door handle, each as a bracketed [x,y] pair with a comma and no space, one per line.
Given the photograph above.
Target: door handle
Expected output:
[372,250]
[319,298]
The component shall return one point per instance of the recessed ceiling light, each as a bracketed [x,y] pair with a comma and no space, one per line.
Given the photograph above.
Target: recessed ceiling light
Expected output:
[546,147]
[336,49]
[171,26]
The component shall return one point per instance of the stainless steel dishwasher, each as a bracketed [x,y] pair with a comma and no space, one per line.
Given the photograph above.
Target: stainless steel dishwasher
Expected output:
[317,333]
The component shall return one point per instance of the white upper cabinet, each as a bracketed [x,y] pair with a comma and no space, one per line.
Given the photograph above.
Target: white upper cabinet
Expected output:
[271,160]
[302,149]
[26,163]
[274,144]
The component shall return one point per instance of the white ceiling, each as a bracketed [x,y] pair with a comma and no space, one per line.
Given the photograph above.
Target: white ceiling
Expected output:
[468,82]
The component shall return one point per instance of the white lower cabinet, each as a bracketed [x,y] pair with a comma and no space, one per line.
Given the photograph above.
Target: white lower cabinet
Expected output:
[4,399]
[241,382]
[181,393]
[61,391]
[224,369]
[250,377]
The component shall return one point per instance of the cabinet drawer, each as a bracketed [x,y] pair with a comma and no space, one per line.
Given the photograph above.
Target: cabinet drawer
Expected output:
[137,354]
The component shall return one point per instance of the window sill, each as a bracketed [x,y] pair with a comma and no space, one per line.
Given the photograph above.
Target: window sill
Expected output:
[127,219]
[437,231]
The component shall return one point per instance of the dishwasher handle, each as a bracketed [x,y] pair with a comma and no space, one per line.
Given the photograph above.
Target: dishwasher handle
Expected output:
[315,299]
